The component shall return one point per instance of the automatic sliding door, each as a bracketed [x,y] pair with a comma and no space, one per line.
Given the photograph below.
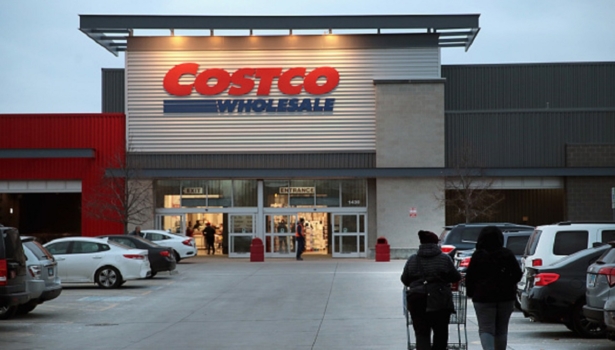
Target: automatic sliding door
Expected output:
[349,235]
[240,233]
[280,235]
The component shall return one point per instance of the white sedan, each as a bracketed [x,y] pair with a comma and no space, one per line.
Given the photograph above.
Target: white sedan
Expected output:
[183,246]
[87,259]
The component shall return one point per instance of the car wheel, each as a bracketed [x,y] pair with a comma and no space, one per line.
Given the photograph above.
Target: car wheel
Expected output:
[177,257]
[584,327]
[151,276]
[27,307]
[108,277]
[7,312]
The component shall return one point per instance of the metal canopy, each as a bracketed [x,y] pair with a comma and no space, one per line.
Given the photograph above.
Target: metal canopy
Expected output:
[112,31]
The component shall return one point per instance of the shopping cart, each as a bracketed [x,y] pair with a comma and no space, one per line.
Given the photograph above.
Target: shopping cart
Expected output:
[457,333]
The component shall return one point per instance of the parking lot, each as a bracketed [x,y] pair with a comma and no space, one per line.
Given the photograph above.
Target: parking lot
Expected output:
[221,303]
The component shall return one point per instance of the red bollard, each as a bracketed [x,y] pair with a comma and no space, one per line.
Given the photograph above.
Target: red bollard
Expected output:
[383,250]
[257,250]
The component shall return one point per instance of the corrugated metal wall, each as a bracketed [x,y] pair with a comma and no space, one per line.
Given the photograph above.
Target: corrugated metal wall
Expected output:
[529,86]
[523,139]
[351,127]
[105,133]
[113,91]
[524,115]
[254,161]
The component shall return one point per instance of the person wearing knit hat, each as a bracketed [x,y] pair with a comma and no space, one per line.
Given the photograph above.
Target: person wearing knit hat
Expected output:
[429,265]
[426,237]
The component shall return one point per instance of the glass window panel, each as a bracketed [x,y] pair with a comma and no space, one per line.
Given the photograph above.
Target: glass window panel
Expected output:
[301,193]
[276,193]
[245,193]
[241,224]
[362,223]
[220,193]
[354,193]
[608,236]
[347,223]
[348,244]
[568,242]
[327,193]
[240,244]
[167,193]
[194,193]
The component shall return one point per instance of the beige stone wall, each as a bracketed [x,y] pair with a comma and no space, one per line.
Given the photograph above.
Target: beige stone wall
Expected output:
[395,198]
[409,134]
[410,124]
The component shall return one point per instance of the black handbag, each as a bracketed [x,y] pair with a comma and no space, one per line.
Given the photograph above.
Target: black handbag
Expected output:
[437,292]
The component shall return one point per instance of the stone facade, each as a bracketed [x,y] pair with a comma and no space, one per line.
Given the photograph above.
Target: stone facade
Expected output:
[409,133]
[589,198]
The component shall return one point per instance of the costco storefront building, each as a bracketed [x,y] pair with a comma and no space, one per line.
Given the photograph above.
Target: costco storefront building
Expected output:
[346,121]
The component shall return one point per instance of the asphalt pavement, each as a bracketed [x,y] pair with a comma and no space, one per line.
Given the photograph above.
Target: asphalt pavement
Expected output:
[213,302]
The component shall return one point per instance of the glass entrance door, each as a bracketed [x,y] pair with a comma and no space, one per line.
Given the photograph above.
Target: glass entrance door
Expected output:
[349,236]
[175,223]
[240,233]
[280,235]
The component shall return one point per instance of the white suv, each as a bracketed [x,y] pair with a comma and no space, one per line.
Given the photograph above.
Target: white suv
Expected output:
[550,243]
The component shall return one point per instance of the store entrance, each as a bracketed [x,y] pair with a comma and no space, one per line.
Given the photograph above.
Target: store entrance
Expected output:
[193,224]
[280,234]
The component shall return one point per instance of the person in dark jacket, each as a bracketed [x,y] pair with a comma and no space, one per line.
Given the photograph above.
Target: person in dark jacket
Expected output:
[491,281]
[430,262]
[210,235]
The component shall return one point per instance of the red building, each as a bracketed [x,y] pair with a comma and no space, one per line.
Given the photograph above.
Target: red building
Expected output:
[51,167]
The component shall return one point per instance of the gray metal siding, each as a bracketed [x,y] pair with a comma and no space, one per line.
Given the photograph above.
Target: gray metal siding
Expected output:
[253,161]
[523,139]
[113,91]
[349,128]
[527,86]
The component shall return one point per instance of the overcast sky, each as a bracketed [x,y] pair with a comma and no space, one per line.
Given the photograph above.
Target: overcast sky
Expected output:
[49,66]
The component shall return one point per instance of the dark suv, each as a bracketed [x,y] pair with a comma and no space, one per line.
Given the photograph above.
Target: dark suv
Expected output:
[12,269]
[464,236]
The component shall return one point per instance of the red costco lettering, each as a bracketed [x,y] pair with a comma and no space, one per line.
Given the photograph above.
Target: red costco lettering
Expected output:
[214,81]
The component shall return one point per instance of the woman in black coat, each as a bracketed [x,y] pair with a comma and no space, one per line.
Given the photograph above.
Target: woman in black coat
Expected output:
[438,267]
[491,281]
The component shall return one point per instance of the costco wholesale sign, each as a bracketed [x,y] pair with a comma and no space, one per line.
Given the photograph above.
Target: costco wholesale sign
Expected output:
[246,101]
[216,81]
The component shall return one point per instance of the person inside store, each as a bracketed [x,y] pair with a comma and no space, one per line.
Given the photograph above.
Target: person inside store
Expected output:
[491,281]
[283,240]
[300,238]
[189,229]
[210,235]
[136,232]
[429,266]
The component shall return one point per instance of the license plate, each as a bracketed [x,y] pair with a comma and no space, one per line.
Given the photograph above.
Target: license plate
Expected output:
[591,280]
[50,272]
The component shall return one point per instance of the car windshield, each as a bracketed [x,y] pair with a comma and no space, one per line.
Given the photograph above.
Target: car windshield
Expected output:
[608,257]
[119,245]
[39,251]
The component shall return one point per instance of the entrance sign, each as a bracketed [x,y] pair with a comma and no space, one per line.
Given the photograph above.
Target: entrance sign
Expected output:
[296,190]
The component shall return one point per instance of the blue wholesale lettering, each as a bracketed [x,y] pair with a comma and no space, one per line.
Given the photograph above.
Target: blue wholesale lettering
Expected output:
[250,105]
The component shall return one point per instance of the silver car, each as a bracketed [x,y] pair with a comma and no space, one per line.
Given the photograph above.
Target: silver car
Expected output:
[600,285]
[43,281]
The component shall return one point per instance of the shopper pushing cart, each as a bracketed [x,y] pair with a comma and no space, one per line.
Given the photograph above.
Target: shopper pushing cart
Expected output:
[430,305]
